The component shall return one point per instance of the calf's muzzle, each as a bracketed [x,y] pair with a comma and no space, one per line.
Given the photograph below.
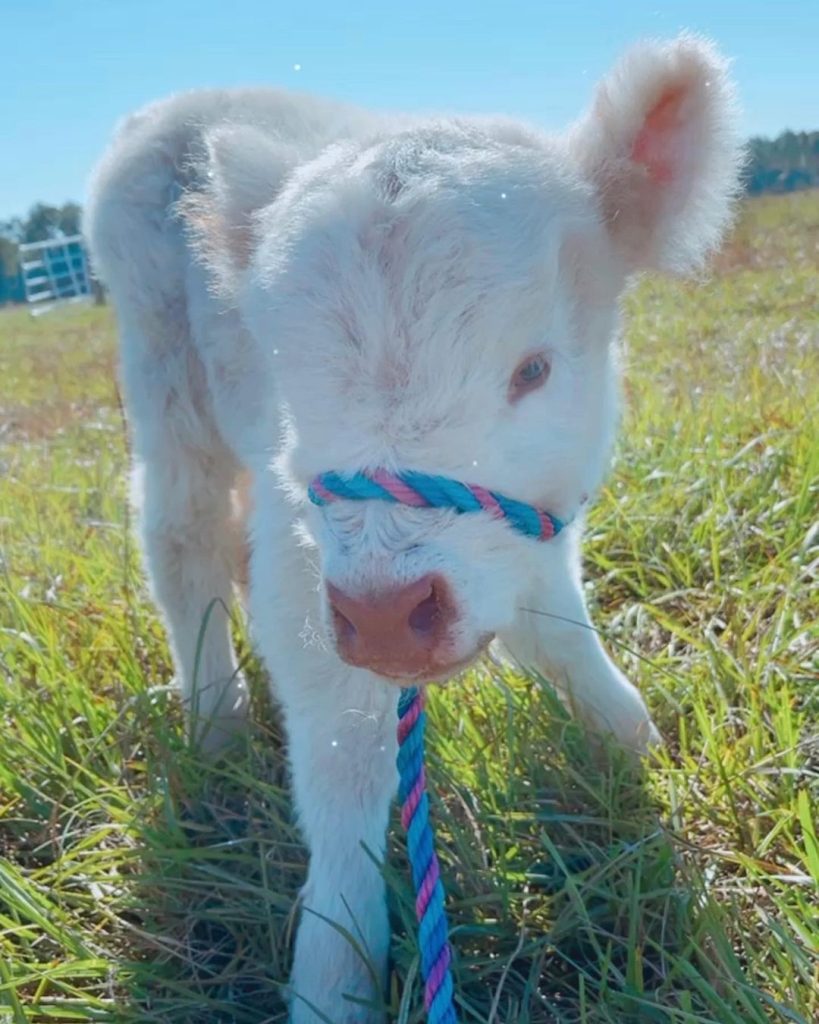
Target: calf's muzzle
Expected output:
[402,632]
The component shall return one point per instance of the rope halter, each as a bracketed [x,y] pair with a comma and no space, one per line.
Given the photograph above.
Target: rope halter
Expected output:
[423,490]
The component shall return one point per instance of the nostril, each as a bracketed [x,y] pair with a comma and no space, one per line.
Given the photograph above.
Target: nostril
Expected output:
[345,630]
[425,616]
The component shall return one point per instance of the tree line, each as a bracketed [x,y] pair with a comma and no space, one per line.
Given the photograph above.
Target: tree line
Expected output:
[784,164]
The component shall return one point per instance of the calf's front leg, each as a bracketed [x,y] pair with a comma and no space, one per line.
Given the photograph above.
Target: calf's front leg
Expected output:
[553,634]
[342,750]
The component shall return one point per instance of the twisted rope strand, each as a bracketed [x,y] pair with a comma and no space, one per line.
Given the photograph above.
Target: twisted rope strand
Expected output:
[424,490]
[433,938]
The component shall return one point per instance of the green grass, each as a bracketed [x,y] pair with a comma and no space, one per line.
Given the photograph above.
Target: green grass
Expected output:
[137,884]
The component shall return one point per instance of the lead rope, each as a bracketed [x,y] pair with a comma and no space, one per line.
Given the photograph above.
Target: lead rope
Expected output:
[425,490]
[433,931]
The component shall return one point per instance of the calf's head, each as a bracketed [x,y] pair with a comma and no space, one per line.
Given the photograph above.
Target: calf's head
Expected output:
[444,298]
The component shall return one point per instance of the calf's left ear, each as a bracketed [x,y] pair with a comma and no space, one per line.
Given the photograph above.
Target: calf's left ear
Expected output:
[660,148]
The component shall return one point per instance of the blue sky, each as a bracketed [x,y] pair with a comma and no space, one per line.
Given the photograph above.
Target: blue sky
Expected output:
[69,70]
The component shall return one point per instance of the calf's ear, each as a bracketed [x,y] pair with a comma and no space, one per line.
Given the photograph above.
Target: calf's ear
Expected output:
[660,148]
[241,171]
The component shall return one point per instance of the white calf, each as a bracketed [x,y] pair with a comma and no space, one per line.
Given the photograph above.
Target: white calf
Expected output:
[303,287]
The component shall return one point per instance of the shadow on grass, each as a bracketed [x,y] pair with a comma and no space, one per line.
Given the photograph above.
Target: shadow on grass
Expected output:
[210,912]
[565,895]
[568,899]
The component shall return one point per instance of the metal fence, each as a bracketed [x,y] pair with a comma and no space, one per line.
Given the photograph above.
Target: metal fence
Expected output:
[55,271]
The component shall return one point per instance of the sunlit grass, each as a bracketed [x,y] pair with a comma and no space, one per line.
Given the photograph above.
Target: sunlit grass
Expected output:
[137,884]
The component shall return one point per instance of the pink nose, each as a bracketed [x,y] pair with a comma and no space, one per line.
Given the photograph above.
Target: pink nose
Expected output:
[402,633]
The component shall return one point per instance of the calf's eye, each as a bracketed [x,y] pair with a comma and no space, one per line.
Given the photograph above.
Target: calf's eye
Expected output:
[530,374]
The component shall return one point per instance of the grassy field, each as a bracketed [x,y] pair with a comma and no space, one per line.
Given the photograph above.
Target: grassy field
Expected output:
[138,884]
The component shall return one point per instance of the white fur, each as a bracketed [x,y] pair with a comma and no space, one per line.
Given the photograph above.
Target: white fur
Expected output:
[300,287]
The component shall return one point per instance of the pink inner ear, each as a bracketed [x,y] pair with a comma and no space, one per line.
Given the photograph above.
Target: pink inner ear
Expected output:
[660,141]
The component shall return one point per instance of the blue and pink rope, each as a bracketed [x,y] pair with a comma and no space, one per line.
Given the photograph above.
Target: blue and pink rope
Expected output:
[422,490]
[433,931]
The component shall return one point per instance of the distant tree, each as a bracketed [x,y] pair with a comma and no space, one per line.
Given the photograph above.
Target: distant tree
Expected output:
[70,218]
[43,222]
[8,256]
[10,231]
[11,228]
[783,164]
